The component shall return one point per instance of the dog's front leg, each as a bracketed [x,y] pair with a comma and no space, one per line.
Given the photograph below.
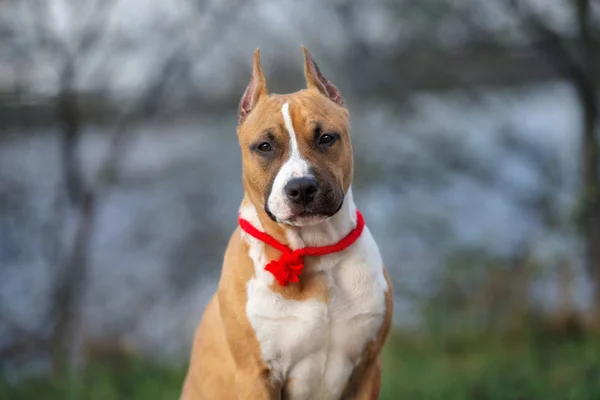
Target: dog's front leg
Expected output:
[365,382]
[252,376]
[367,385]
[252,385]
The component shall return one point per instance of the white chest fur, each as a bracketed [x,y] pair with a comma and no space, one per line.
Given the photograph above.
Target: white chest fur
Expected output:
[317,344]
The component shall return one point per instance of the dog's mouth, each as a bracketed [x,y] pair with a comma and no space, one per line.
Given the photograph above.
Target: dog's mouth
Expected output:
[305,218]
[310,215]
[326,203]
[299,216]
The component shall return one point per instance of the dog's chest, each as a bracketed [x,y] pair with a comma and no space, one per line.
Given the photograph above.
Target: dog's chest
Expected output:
[312,346]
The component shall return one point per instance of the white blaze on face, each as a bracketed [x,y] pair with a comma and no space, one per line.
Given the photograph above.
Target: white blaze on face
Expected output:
[294,167]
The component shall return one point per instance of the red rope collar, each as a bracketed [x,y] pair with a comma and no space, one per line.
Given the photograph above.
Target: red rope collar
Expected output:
[290,264]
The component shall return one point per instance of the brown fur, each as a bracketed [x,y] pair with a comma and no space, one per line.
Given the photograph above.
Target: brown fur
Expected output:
[226,361]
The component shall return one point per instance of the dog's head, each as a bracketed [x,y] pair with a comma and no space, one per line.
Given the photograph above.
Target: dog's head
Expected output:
[296,150]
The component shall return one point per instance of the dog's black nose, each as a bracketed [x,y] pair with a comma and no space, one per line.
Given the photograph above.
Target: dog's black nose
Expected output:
[301,190]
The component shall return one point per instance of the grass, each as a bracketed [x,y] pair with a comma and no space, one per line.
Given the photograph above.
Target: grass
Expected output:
[125,378]
[414,368]
[490,369]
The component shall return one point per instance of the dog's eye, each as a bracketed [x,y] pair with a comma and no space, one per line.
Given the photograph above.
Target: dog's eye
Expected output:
[326,139]
[265,147]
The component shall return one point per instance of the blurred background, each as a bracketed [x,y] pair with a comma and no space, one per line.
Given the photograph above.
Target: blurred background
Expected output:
[476,139]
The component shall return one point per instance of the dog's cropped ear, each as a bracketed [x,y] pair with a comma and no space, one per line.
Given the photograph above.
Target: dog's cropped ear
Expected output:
[257,88]
[316,80]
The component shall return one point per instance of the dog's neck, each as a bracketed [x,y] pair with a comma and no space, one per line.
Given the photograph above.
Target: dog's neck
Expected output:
[327,232]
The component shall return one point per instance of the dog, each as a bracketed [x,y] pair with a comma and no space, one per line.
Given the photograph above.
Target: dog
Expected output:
[304,302]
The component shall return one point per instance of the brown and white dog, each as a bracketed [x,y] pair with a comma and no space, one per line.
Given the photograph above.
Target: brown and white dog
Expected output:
[318,338]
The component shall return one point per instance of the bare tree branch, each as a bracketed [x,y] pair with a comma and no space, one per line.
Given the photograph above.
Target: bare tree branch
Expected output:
[71,277]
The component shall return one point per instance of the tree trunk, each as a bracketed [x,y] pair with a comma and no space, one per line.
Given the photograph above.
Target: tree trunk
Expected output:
[70,272]
[585,86]
[591,197]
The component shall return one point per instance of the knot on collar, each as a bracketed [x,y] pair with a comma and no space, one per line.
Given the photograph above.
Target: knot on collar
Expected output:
[287,268]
